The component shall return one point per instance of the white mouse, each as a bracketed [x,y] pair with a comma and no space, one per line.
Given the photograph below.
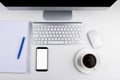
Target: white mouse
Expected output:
[95,39]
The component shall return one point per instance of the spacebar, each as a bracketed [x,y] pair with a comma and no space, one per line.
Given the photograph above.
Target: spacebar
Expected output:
[55,42]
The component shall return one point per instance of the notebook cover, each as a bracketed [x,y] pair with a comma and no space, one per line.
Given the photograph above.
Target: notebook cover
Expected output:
[11,34]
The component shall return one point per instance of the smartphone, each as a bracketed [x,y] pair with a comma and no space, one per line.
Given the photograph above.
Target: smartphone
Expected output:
[41,59]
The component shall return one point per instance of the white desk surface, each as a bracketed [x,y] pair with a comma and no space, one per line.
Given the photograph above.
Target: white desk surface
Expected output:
[106,22]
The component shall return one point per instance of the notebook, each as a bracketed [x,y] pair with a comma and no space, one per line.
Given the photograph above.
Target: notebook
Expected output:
[11,34]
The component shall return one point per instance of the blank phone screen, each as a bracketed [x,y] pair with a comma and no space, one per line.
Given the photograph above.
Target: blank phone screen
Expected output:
[42,59]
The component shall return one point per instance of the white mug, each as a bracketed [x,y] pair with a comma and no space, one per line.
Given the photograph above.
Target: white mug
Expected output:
[87,61]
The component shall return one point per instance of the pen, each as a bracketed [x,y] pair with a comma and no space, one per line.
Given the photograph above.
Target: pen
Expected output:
[21,46]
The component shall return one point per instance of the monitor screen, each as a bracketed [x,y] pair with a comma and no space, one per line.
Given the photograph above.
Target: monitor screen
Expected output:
[57,3]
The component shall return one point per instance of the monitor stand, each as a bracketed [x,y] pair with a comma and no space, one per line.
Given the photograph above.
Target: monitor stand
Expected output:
[57,14]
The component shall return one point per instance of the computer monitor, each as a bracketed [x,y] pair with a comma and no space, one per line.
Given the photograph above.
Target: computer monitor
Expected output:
[61,9]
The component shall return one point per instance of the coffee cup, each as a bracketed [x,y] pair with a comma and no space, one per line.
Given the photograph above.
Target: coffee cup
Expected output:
[87,61]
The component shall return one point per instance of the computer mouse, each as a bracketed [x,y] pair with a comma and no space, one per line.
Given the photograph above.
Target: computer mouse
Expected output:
[95,39]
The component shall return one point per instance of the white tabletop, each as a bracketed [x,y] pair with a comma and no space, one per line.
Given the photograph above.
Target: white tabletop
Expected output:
[61,67]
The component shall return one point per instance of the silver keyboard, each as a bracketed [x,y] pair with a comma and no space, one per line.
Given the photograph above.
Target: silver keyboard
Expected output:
[57,33]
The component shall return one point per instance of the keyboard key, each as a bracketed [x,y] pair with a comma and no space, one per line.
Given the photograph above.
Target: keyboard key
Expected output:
[45,42]
[36,35]
[66,42]
[55,42]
